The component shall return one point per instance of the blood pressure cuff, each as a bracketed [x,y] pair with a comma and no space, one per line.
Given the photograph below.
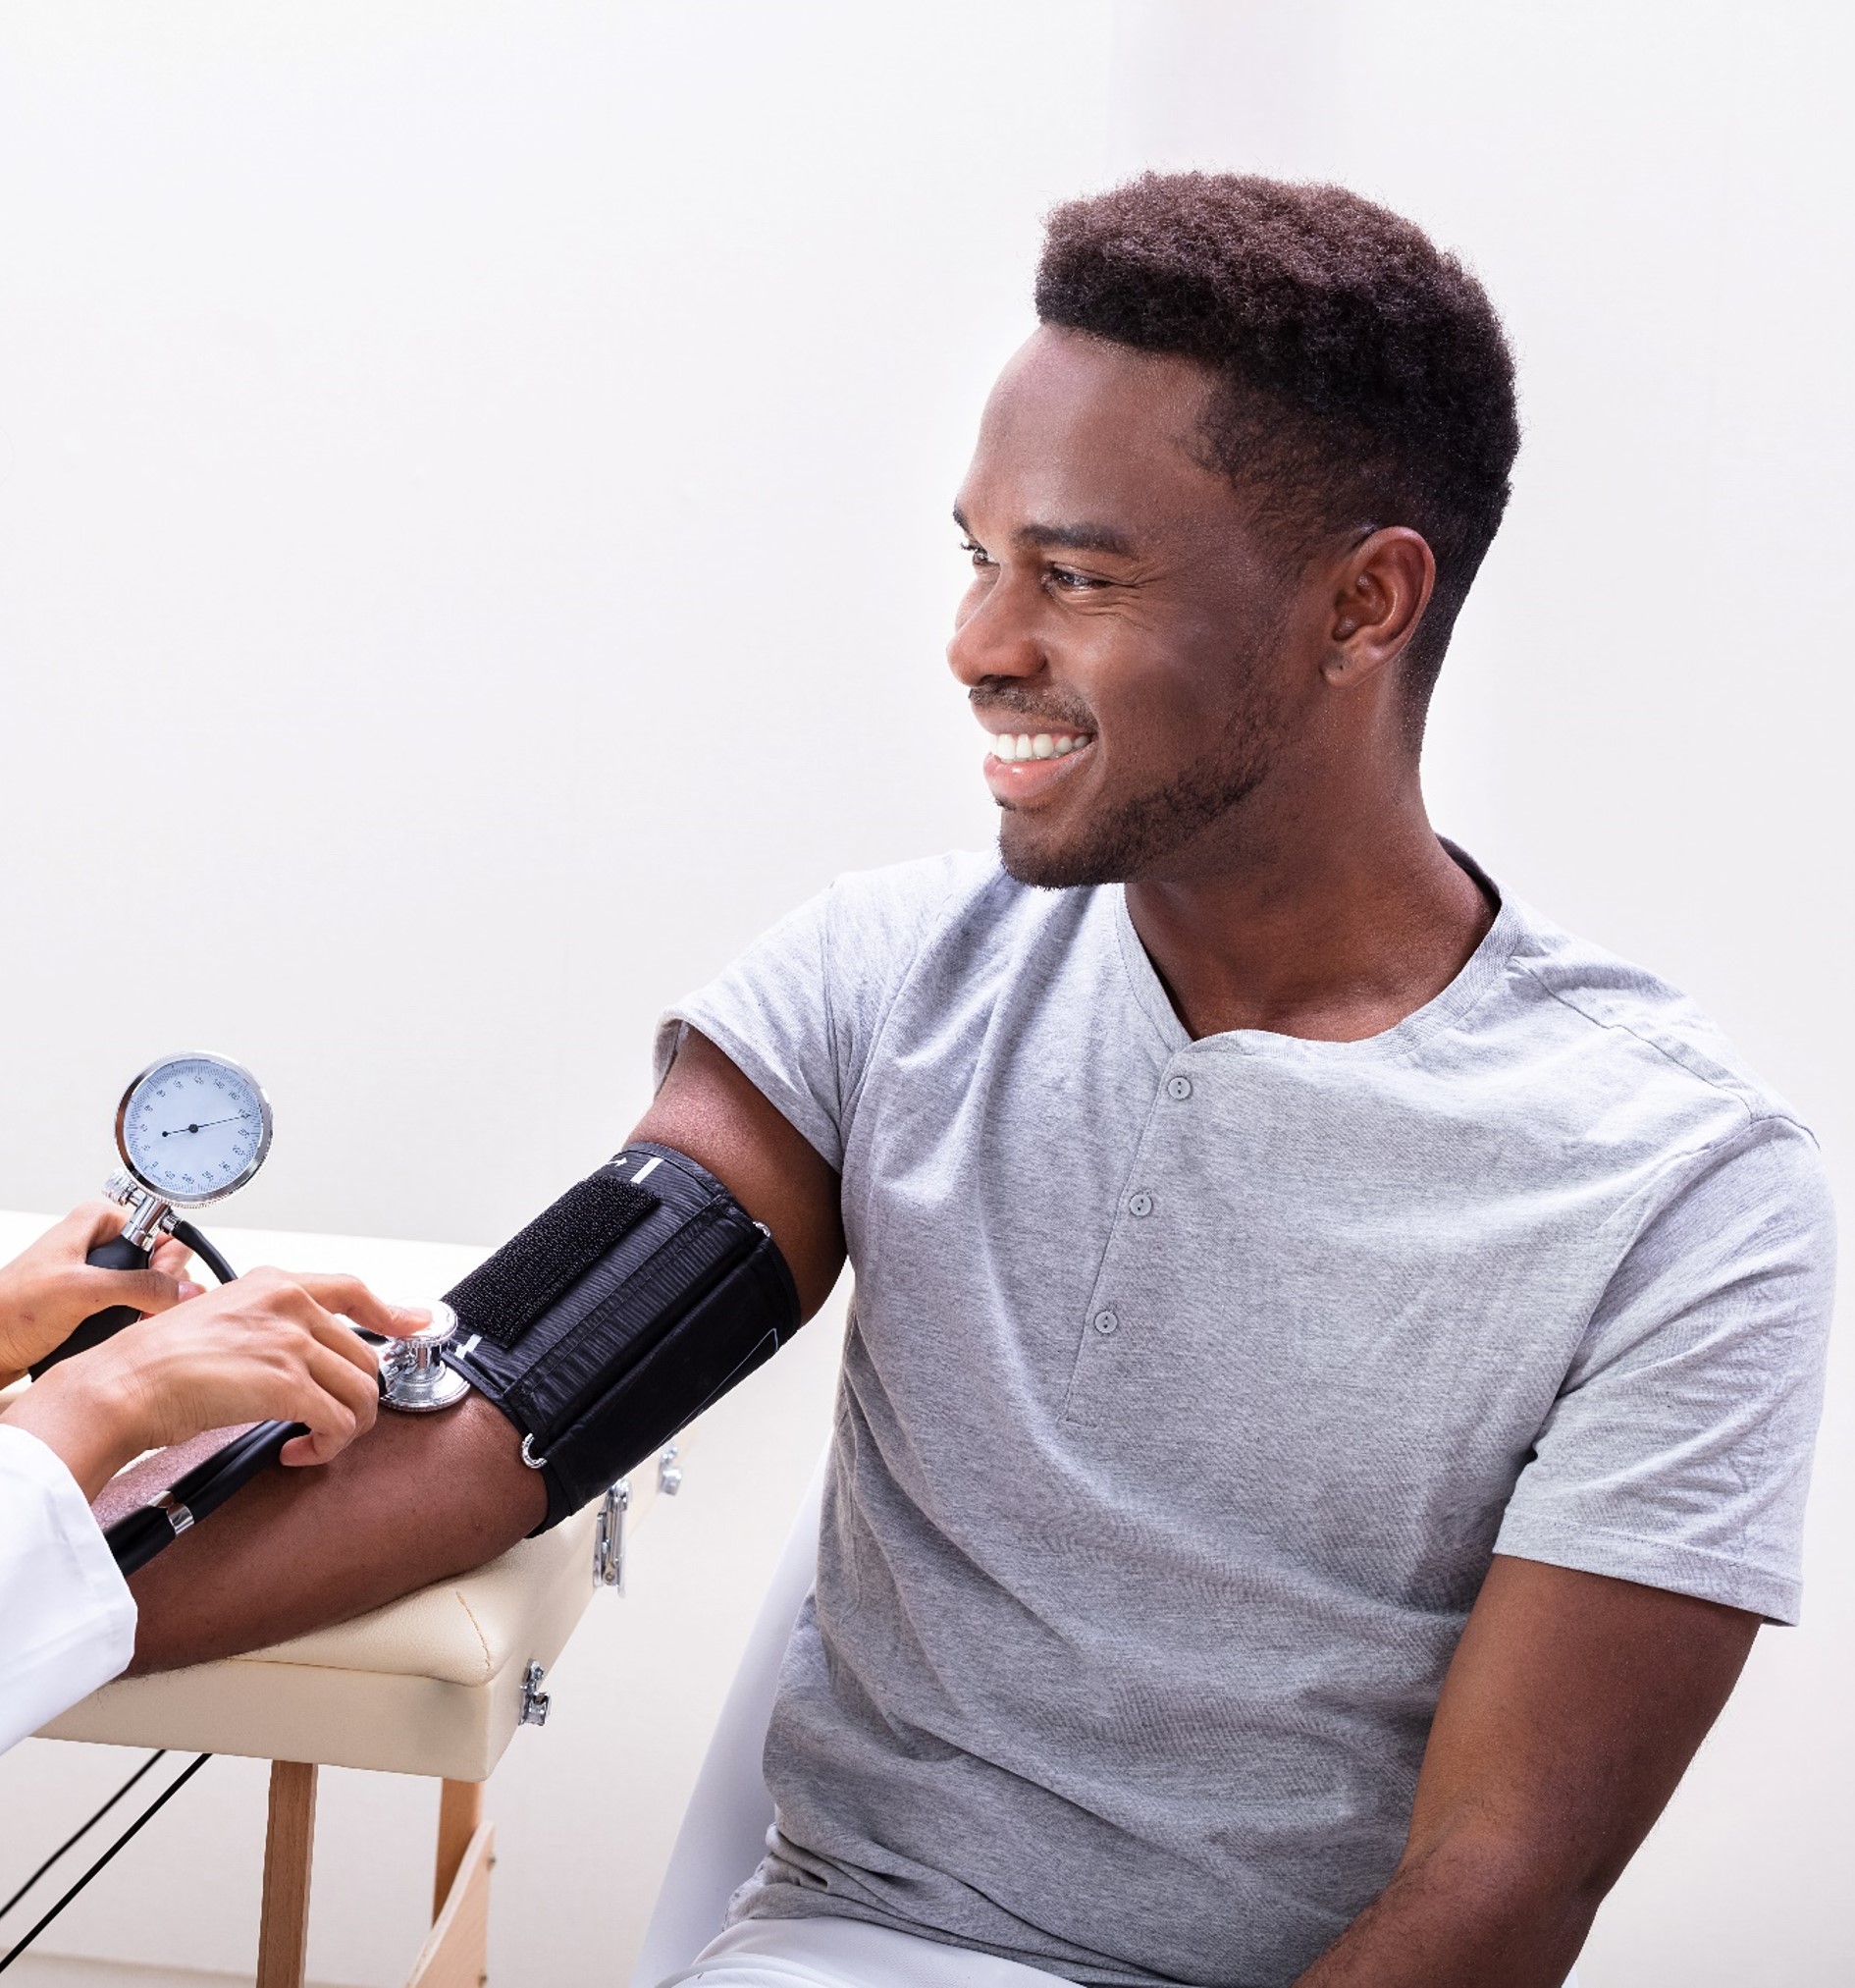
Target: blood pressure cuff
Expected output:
[617,1316]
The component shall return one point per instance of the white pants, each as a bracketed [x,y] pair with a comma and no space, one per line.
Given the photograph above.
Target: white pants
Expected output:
[826,1952]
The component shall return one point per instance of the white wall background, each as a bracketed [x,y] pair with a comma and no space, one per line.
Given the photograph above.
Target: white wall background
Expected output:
[473,550]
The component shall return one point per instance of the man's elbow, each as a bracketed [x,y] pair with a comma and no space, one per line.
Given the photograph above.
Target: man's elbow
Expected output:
[1534,1886]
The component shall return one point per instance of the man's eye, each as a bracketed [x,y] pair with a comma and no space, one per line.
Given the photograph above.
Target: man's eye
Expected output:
[980,556]
[1074,582]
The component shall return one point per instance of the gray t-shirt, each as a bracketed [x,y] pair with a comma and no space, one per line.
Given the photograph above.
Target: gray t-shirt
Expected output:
[1190,1386]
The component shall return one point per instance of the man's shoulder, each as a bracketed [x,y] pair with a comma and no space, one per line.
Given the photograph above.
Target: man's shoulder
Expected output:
[1631,1026]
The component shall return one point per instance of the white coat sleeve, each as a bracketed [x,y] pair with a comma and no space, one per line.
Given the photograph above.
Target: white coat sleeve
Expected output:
[66,1618]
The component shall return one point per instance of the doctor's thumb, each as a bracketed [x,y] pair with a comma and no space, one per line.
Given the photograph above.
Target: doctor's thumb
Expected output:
[143,1290]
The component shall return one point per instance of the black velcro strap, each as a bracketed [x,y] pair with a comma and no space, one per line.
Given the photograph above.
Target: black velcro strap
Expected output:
[507,1293]
[585,1337]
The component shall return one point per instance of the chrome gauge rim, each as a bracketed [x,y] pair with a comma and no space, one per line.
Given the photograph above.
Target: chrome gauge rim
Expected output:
[224,1188]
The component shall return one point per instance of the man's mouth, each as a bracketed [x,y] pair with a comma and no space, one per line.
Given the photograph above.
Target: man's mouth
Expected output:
[1025,768]
[1011,746]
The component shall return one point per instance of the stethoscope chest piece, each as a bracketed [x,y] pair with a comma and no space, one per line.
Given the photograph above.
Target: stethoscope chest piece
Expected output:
[412,1377]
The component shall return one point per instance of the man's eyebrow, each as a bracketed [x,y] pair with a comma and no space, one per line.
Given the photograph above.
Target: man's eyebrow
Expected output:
[1068,537]
[1101,538]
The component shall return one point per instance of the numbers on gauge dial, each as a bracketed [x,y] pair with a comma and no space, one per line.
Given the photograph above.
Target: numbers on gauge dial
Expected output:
[193,1129]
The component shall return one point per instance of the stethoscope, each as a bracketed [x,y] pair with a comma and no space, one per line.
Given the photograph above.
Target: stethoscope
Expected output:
[193,1130]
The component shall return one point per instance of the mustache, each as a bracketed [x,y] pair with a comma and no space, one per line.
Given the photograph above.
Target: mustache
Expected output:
[1043,713]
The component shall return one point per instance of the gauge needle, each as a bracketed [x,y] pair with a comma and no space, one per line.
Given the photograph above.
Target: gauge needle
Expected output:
[207,1127]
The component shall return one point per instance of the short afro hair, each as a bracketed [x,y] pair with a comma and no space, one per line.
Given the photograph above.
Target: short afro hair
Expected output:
[1364,377]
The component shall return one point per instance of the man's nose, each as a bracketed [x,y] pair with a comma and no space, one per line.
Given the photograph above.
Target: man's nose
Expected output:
[993,637]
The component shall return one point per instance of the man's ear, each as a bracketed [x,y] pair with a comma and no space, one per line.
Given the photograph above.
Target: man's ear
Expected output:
[1381,589]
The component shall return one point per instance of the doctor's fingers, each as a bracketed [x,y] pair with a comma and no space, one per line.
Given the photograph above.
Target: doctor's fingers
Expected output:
[269,1299]
[333,1332]
[145,1291]
[89,1224]
[172,1258]
[339,1403]
[352,1299]
[72,1282]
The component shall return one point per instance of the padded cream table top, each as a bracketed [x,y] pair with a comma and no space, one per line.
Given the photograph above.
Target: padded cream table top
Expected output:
[430,1684]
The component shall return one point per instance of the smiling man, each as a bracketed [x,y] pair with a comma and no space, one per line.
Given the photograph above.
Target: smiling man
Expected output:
[1329,1395]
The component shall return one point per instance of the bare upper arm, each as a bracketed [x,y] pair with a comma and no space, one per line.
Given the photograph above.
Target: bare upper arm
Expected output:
[1570,1711]
[709,1110]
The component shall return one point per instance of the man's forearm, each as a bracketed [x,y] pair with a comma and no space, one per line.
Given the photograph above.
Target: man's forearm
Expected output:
[1462,1914]
[417,1499]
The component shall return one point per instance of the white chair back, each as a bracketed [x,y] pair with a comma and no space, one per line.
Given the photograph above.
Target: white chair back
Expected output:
[725,1828]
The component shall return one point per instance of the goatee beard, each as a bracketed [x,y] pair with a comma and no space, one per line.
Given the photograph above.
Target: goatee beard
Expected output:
[1136,836]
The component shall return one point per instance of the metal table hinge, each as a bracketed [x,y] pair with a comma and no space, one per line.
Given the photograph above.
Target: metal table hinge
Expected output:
[608,1540]
[535,1702]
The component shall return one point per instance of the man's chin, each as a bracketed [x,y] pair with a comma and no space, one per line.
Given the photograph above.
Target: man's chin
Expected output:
[1049,863]
[1118,843]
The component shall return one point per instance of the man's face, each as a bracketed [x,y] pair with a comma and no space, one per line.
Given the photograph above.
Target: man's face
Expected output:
[1128,629]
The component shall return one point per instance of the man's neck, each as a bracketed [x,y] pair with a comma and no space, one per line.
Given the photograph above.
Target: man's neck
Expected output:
[1333,939]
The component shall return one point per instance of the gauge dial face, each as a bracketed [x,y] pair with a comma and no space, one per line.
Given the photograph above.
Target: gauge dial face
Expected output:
[193,1128]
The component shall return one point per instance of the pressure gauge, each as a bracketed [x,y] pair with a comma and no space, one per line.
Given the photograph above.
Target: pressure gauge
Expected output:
[193,1129]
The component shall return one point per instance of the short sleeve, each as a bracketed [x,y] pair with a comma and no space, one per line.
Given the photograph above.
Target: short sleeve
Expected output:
[1677,1452]
[801,1009]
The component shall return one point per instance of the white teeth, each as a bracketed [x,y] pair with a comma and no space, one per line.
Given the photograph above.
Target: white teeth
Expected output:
[1010,749]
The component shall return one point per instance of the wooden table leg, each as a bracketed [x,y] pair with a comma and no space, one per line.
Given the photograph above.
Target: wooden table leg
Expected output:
[288,1846]
[460,1811]
[456,1951]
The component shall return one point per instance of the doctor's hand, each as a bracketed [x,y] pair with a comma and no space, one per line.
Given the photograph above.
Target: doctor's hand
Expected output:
[269,1346]
[49,1291]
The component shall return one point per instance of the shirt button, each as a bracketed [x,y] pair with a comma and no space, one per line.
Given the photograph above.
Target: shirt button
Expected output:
[1108,1321]
[1141,1204]
[1178,1089]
